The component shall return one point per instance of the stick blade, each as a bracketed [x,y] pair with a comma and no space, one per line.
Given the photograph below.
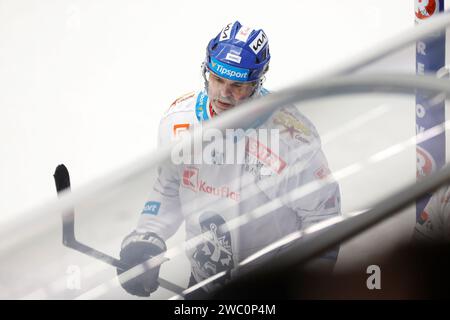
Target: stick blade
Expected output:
[62,178]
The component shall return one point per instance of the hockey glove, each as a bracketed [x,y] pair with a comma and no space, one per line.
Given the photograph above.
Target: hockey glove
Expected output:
[136,249]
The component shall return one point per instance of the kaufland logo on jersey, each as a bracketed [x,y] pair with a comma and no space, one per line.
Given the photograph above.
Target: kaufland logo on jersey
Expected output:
[228,71]
[191,181]
[426,8]
[190,178]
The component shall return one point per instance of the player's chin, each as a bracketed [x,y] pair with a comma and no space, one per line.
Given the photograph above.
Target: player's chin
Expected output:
[220,106]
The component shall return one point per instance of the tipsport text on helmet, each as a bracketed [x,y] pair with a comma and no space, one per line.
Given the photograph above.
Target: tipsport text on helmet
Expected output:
[238,53]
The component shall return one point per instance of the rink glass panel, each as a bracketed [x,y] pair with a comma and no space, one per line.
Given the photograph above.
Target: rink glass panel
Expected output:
[366,138]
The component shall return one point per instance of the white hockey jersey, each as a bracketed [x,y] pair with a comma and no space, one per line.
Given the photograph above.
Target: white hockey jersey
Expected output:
[238,209]
[433,223]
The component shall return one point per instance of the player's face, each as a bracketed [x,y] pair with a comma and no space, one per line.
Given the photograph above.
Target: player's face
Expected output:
[225,94]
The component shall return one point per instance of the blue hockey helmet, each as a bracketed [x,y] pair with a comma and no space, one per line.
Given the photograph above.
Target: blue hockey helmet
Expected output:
[238,53]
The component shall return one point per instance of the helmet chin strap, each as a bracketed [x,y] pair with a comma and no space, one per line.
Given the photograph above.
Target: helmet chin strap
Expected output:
[258,87]
[204,76]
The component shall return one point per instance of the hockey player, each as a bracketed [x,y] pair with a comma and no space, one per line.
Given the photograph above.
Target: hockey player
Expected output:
[211,198]
[433,224]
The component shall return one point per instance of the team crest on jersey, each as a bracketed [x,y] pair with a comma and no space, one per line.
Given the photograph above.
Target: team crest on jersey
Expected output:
[292,127]
[215,253]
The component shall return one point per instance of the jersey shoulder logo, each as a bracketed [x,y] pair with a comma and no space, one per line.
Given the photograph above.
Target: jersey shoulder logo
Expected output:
[293,126]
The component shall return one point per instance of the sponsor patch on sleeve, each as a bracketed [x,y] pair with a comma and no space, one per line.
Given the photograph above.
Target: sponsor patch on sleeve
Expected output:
[151,207]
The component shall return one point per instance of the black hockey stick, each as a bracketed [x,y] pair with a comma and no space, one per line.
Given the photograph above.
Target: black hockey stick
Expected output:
[62,182]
